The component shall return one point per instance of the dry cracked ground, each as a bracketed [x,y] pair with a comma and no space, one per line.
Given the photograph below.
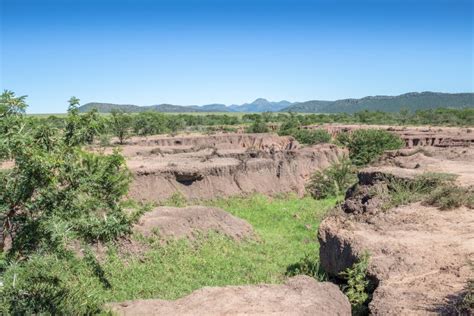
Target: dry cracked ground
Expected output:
[419,255]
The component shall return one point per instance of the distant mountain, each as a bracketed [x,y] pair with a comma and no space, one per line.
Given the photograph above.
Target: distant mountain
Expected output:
[413,101]
[108,107]
[260,105]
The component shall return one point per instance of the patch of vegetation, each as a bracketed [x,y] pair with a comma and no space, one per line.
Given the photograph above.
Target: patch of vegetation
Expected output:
[449,197]
[332,181]
[285,228]
[358,288]
[56,195]
[258,126]
[308,266]
[367,145]
[466,305]
[311,136]
[435,189]
[177,199]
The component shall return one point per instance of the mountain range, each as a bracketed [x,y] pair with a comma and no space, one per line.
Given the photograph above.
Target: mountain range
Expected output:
[413,101]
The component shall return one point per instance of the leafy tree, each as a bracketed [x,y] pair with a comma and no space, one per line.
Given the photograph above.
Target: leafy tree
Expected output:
[11,110]
[81,129]
[120,123]
[56,194]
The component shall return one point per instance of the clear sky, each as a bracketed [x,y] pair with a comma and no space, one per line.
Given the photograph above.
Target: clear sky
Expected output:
[231,51]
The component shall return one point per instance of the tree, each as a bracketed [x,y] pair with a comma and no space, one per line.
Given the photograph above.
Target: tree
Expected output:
[54,184]
[81,129]
[120,123]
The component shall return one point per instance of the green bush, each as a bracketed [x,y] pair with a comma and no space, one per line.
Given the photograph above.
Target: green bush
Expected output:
[357,287]
[311,137]
[50,285]
[332,181]
[367,145]
[258,126]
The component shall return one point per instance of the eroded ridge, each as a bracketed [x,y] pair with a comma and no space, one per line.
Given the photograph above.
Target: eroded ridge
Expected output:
[205,167]
[420,256]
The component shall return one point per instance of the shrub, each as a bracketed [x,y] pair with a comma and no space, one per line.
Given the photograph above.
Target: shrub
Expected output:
[448,197]
[311,137]
[258,126]
[50,285]
[332,181]
[358,287]
[366,145]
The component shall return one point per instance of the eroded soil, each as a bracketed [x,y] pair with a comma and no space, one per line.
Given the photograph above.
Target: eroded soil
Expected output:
[189,222]
[301,295]
[420,257]
[207,167]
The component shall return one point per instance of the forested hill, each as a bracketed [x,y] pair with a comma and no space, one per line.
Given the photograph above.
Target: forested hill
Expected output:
[259,105]
[412,101]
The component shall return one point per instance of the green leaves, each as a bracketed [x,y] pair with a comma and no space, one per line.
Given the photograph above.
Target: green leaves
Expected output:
[357,288]
[367,145]
[332,181]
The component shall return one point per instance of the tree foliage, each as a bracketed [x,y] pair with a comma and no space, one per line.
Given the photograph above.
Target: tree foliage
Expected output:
[366,145]
[55,194]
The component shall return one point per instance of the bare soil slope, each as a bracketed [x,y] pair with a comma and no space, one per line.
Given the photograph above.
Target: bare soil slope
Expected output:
[419,255]
[174,222]
[206,167]
[410,163]
[301,295]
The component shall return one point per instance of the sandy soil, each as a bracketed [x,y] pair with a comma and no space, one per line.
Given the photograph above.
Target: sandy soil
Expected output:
[300,295]
[175,223]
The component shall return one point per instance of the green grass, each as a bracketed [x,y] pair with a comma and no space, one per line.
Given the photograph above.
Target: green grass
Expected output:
[286,229]
[286,244]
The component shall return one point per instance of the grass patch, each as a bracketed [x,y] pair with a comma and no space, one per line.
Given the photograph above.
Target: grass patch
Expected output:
[434,189]
[286,229]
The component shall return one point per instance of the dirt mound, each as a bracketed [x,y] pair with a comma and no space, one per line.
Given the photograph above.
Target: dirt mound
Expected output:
[173,222]
[419,255]
[226,165]
[301,295]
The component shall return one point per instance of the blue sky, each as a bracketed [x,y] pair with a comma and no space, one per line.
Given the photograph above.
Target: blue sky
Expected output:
[231,51]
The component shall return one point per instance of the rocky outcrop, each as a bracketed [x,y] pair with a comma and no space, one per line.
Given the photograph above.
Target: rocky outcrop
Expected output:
[419,255]
[300,295]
